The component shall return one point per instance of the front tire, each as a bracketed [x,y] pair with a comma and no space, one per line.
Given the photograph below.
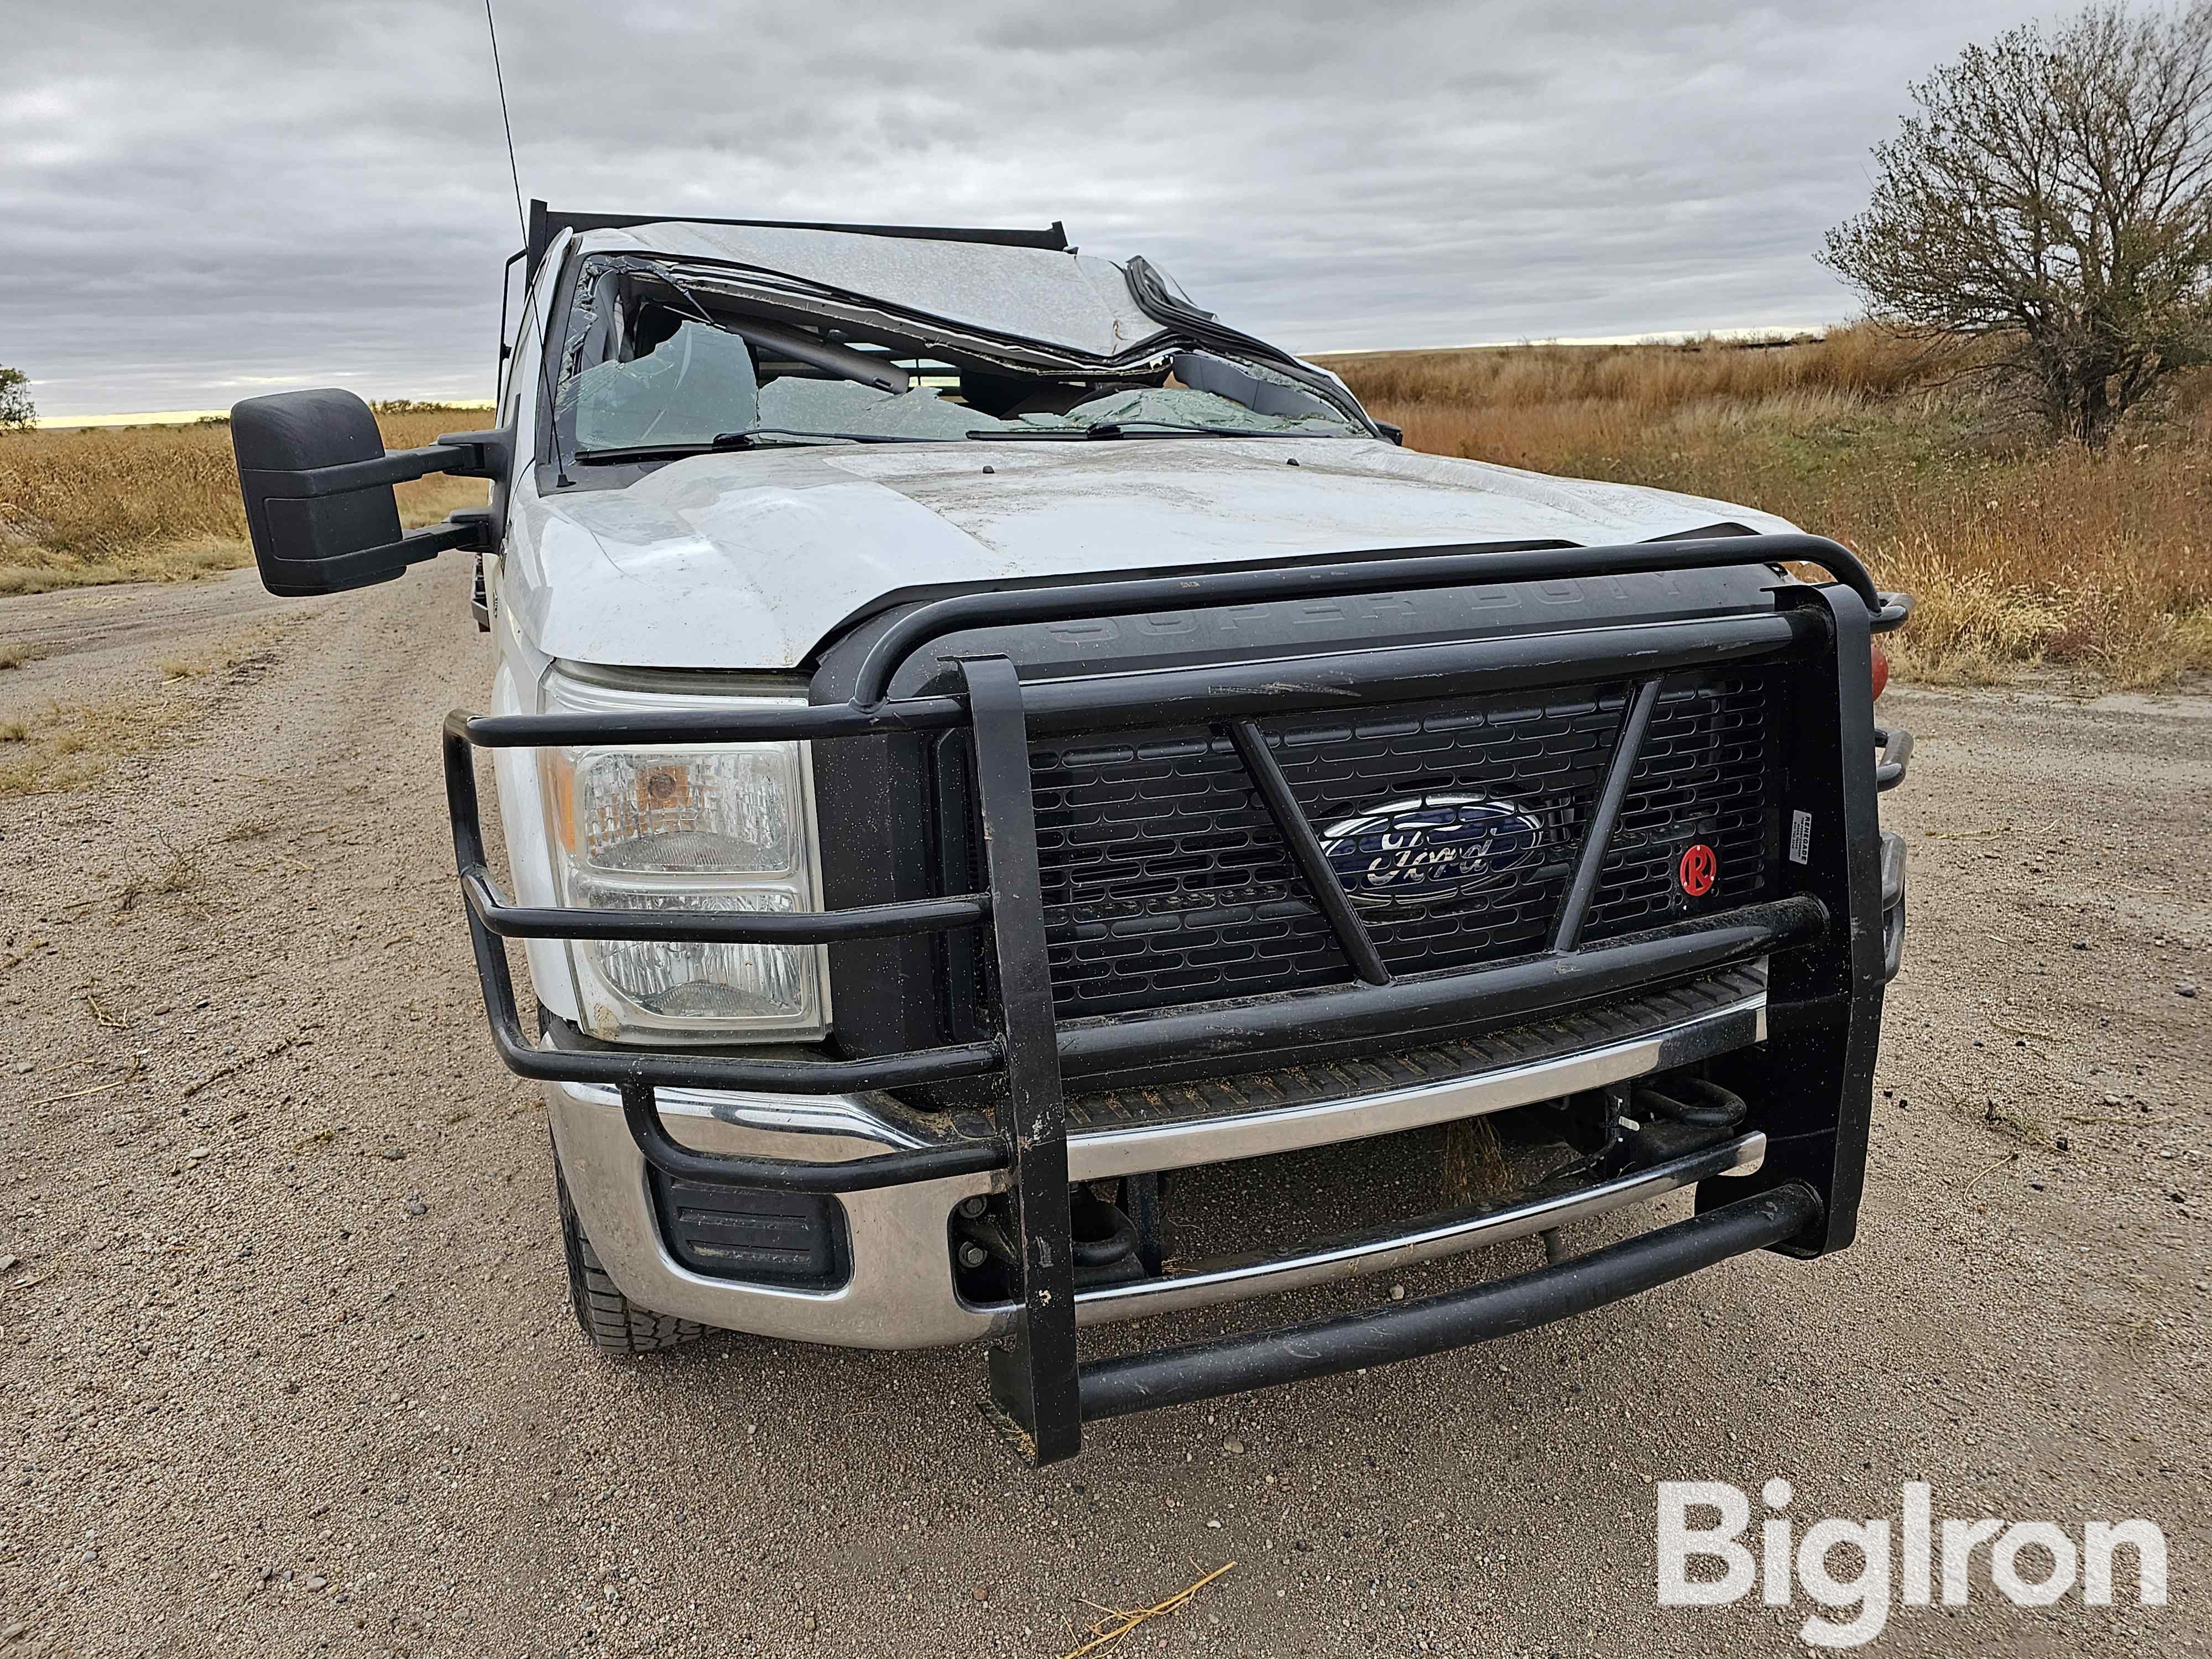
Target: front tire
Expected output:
[614,1323]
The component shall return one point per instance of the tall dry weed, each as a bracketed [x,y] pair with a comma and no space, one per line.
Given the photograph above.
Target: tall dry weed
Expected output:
[2021,554]
[1644,379]
[108,503]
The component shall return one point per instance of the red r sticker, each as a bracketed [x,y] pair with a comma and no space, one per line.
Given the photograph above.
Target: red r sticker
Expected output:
[1698,869]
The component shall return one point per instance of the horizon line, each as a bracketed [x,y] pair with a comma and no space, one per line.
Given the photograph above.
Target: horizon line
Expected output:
[1662,337]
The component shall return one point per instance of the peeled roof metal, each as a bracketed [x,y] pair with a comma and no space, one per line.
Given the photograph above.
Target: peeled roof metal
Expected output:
[1066,300]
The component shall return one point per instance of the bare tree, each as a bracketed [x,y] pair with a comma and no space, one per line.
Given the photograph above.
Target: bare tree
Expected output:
[17,414]
[2053,196]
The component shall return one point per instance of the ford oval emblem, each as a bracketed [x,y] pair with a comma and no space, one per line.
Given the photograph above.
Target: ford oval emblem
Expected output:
[1405,852]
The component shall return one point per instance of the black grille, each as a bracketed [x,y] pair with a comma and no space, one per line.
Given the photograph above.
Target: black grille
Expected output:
[1703,778]
[1165,881]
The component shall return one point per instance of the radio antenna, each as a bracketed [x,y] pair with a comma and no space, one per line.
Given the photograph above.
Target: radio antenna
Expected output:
[499,76]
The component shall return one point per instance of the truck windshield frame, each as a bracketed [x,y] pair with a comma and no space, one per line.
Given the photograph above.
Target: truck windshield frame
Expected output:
[660,358]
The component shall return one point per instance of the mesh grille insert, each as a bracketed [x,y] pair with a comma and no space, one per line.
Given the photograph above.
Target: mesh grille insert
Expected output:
[1703,778]
[1166,882]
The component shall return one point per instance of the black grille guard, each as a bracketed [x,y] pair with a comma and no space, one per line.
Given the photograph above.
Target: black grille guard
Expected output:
[1824,936]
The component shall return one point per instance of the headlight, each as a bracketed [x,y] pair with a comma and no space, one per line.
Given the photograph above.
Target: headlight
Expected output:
[689,828]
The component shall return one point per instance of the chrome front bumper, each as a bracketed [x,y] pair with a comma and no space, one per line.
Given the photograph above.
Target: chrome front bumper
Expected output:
[900,1293]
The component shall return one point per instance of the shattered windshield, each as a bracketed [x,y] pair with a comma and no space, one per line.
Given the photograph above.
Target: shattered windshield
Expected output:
[693,385]
[663,356]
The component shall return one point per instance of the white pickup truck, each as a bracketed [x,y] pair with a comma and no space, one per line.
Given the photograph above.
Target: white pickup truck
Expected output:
[981,743]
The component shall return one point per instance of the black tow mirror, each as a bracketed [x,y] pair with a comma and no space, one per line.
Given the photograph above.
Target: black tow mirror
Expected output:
[317,483]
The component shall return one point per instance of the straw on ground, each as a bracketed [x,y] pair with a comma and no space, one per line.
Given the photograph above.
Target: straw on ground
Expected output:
[1118,1622]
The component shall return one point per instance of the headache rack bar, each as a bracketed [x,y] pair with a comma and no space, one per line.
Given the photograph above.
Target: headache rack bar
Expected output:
[1815,934]
[545,224]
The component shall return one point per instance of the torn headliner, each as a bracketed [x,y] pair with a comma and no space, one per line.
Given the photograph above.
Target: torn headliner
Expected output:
[1076,302]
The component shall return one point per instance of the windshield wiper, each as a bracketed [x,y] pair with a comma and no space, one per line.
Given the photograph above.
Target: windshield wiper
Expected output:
[1109,429]
[745,439]
[752,439]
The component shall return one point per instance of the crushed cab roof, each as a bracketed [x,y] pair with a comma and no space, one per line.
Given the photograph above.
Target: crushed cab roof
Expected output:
[1060,298]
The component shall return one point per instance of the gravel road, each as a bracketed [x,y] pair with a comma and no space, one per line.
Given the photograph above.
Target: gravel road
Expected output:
[286,1365]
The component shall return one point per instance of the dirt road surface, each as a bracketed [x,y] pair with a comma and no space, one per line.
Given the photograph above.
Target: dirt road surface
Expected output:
[286,1365]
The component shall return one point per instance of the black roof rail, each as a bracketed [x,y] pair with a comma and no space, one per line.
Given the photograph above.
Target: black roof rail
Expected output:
[546,225]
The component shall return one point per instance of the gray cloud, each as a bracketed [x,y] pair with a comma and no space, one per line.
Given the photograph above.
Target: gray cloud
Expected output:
[200,202]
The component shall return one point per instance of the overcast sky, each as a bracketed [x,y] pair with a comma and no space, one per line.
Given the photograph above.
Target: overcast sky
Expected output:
[201,201]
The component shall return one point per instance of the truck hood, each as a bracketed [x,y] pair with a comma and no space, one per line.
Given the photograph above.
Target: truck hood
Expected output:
[748,560]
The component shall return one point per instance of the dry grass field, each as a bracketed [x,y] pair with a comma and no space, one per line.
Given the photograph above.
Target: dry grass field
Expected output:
[2024,555]
[160,503]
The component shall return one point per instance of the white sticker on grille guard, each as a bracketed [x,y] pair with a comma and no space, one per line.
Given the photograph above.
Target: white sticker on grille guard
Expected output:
[1800,837]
